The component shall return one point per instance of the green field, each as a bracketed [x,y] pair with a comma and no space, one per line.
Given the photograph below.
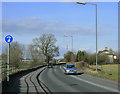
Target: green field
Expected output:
[107,71]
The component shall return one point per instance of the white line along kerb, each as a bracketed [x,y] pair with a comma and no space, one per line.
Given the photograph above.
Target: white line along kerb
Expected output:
[101,86]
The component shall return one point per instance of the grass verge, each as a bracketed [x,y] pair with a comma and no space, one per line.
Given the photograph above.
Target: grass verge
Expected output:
[109,71]
[106,71]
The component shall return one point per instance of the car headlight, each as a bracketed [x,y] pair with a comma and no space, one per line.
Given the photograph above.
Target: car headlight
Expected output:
[67,70]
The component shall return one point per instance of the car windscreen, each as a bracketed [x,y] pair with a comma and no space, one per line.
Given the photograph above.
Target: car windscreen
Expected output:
[49,63]
[70,66]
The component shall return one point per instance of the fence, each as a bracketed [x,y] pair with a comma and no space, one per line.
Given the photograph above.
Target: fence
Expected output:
[3,71]
[13,69]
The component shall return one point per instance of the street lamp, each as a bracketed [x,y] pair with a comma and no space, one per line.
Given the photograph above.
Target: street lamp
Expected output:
[72,43]
[72,40]
[96,29]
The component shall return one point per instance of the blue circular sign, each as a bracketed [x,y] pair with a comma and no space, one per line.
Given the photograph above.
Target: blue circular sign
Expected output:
[8,38]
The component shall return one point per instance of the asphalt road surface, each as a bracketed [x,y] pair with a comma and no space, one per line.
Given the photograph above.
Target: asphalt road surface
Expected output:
[54,80]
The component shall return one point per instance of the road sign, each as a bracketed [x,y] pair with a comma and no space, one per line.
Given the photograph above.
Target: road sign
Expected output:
[8,38]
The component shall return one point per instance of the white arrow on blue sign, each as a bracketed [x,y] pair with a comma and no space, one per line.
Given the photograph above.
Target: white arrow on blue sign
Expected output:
[8,38]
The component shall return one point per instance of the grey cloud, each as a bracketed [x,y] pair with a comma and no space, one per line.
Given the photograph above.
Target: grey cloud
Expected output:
[36,26]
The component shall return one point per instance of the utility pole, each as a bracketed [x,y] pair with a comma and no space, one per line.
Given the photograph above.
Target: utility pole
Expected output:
[71,46]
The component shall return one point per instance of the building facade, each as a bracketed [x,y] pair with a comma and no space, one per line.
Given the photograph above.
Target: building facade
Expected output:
[110,54]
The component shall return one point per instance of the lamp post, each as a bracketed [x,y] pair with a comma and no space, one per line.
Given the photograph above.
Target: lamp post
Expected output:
[72,43]
[72,40]
[96,29]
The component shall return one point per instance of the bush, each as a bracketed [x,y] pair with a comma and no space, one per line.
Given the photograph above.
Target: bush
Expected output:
[68,56]
[102,59]
[53,61]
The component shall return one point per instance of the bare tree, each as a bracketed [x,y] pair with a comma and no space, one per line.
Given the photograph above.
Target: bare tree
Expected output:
[16,54]
[34,53]
[47,45]
[4,58]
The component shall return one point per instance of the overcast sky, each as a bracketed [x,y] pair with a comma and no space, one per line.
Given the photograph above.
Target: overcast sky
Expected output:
[25,21]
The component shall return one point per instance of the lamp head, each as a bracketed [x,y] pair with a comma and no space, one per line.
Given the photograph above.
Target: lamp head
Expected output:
[81,3]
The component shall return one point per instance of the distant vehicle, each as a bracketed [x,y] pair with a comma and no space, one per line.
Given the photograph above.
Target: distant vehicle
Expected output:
[70,69]
[50,65]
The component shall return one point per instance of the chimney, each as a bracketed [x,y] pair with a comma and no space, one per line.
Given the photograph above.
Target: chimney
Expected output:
[106,48]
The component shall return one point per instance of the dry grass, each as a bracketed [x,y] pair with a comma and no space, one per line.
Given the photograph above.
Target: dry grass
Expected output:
[109,71]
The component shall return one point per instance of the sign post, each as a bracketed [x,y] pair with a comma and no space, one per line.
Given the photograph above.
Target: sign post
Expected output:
[8,39]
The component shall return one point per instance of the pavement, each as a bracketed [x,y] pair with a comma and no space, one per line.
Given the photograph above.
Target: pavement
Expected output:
[51,80]
[27,82]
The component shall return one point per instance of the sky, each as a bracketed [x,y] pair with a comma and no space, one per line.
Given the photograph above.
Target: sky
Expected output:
[28,20]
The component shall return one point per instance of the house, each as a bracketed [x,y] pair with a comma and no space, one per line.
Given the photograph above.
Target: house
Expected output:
[111,55]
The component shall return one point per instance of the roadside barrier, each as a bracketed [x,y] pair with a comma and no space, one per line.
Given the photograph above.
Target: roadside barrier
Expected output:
[13,69]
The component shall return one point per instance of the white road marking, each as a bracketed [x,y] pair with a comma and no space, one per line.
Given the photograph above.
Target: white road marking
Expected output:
[55,68]
[64,67]
[107,88]
[61,68]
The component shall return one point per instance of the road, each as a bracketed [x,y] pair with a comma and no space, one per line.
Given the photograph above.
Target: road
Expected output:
[57,81]
[54,80]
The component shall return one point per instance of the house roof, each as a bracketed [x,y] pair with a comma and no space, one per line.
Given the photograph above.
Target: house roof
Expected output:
[105,50]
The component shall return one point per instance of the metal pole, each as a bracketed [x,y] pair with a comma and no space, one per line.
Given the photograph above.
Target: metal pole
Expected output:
[1,71]
[96,29]
[71,46]
[8,61]
[72,43]
[72,49]
[96,39]
[67,48]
